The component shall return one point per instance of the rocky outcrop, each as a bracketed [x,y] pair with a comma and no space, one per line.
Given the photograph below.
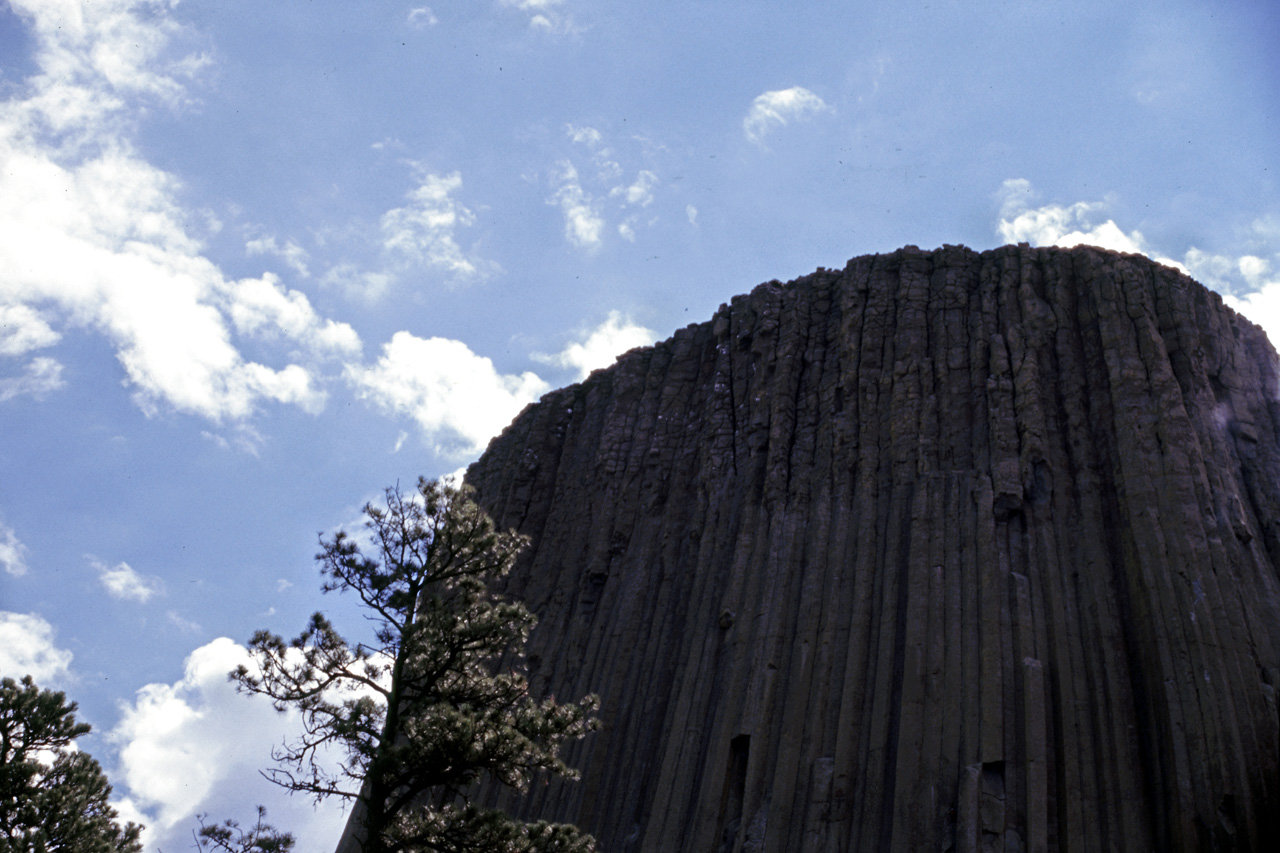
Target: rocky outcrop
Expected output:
[943,550]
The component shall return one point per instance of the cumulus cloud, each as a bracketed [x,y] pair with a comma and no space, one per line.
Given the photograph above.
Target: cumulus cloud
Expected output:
[196,746]
[27,648]
[583,224]
[601,346]
[95,235]
[1066,225]
[122,582]
[13,554]
[778,108]
[422,231]
[39,377]
[1249,282]
[263,307]
[1059,225]
[458,399]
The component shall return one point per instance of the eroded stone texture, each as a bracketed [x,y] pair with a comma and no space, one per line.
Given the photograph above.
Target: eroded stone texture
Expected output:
[944,550]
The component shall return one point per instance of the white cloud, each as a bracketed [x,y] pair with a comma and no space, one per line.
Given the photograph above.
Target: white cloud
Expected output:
[1065,225]
[533,5]
[422,17]
[583,225]
[40,376]
[196,746]
[602,346]
[243,437]
[691,213]
[1058,225]
[13,554]
[95,55]
[23,329]
[457,397]
[27,648]
[187,626]
[544,14]
[423,231]
[584,135]
[1249,282]
[122,582]
[96,234]
[607,168]
[261,306]
[370,286]
[779,108]
[582,197]
[291,253]
[639,193]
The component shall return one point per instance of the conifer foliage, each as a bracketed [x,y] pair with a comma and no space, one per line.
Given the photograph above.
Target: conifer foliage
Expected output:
[437,701]
[230,837]
[53,798]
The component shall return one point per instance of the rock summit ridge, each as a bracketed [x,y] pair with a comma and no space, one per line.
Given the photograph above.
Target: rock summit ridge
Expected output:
[944,550]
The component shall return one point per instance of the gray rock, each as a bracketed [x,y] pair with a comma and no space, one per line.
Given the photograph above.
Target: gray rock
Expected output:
[944,550]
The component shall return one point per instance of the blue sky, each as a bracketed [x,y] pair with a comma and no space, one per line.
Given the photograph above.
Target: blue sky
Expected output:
[259,260]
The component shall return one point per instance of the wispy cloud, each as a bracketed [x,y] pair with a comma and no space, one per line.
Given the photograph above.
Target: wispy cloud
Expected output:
[27,648]
[639,193]
[583,225]
[423,231]
[122,582]
[40,376]
[13,554]
[186,626]
[545,15]
[601,346]
[458,399]
[584,135]
[291,253]
[586,197]
[778,108]
[421,17]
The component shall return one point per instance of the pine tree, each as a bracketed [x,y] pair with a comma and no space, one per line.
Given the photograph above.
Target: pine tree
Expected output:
[230,837]
[437,701]
[53,799]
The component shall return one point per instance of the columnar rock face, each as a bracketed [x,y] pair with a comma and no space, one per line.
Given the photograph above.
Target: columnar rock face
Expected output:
[940,551]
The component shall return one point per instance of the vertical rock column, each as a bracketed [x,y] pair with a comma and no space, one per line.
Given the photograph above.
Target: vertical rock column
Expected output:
[943,550]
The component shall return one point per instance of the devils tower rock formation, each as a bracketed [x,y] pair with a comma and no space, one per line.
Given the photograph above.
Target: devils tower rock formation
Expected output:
[940,551]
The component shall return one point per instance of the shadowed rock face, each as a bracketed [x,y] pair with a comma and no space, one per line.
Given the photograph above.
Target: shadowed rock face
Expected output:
[944,550]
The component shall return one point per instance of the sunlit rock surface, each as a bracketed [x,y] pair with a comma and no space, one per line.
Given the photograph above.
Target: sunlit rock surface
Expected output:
[943,550]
